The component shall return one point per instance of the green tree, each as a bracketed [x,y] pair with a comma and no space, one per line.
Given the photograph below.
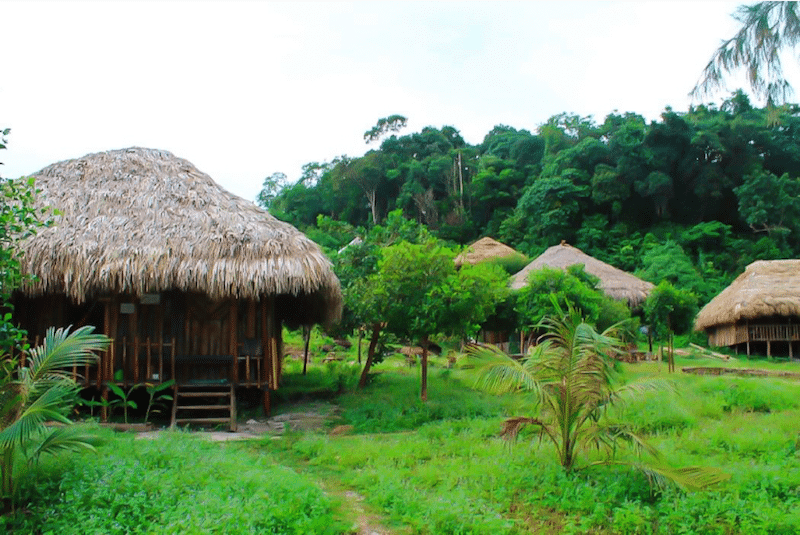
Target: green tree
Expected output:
[571,375]
[669,310]
[420,293]
[270,189]
[767,28]
[393,123]
[769,203]
[669,262]
[550,290]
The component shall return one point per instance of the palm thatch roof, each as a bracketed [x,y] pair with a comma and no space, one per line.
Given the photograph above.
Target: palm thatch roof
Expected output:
[766,288]
[613,282]
[137,221]
[484,249]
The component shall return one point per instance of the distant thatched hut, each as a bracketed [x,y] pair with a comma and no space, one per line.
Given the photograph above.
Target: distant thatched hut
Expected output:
[760,308]
[190,281]
[484,249]
[495,331]
[613,282]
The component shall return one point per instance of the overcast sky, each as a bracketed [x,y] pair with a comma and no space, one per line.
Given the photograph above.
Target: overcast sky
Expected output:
[246,89]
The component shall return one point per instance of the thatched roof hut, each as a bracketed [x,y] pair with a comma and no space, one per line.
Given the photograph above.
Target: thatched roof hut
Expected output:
[760,305]
[613,282]
[484,249]
[138,221]
[191,282]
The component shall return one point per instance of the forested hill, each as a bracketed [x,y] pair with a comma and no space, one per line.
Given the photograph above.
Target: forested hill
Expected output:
[692,197]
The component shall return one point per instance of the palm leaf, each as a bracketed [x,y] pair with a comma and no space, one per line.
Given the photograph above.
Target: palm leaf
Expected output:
[688,477]
[69,438]
[62,350]
[498,373]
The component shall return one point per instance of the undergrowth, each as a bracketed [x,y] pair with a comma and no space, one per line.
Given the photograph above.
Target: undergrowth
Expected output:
[172,485]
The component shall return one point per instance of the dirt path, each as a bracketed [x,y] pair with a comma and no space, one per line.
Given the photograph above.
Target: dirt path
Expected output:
[306,417]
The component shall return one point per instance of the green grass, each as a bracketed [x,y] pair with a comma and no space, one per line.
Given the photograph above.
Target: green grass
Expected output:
[174,484]
[440,468]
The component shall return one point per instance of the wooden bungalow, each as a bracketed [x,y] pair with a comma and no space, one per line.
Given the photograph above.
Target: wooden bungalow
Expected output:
[758,312]
[191,282]
[613,281]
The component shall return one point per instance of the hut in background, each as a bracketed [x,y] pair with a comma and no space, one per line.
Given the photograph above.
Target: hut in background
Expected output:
[613,282]
[486,250]
[759,311]
[191,282]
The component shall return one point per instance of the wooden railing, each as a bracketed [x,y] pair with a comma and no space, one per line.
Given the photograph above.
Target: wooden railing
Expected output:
[774,333]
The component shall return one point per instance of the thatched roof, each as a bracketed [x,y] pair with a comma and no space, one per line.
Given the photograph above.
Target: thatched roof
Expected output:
[137,221]
[484,249]
[766,288]
[613,282]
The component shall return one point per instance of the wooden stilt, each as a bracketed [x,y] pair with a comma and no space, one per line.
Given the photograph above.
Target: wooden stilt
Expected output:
[104,408]
[747,326]
[149,367]
[233,322]
[172,362]
[266,402]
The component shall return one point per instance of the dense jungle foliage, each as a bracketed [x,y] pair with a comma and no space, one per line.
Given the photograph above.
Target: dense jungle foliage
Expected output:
[691,198]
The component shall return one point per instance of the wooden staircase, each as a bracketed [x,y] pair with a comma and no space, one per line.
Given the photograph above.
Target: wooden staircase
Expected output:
[204,405]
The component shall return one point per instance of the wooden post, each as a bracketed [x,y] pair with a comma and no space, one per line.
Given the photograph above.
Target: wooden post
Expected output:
[266,349]
[307,341]
[135,359]
[149,367]
[160,334]
[424,382]
[172,364]
[233,321]
[747,326]
[108,355]
[134,330]
[125,361]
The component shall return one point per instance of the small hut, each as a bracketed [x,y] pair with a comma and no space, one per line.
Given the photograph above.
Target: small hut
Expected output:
[191,282]
[613,282]
[484,249]
[759,311]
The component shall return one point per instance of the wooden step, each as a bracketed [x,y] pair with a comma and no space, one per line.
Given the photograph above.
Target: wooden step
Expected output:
[196,393]
[204,394]
[204,407]
[202,420]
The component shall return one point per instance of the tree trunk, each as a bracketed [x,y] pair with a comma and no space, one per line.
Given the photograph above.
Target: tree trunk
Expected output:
[424,388]
[373,343]
[307,339]
[360,337]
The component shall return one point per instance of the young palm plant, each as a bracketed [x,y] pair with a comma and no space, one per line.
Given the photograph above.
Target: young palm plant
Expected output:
[40,393]
[571,376]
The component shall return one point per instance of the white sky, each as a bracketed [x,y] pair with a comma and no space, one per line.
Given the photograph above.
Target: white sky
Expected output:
[245,89]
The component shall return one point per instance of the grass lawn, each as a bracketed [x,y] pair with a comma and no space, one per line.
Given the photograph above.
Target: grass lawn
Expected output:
[440,468]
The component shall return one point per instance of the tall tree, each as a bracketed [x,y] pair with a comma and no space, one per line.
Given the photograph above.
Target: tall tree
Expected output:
[767,28]
[393,123]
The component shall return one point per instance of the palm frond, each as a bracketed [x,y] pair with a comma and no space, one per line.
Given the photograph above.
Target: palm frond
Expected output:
[62,350]
[29,423]
[498,373]
[67,438]
[687,478]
